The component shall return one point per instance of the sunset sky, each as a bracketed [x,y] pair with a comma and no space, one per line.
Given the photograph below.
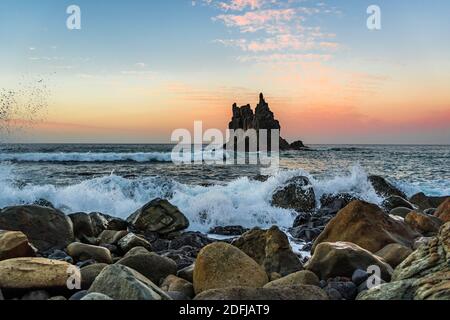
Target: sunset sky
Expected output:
[139,69]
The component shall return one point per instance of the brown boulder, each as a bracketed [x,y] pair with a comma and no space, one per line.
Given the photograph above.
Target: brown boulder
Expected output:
[342,259]
[367,226]
[14,244]
[33,273]
[271,249]
[220,265]
[83,252]
[174,284]
[424,202]
[46,228]
[443,211]
[304,277]
[423,223]
[394,254]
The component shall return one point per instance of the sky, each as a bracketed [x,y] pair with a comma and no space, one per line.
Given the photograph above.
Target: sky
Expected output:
[139,69]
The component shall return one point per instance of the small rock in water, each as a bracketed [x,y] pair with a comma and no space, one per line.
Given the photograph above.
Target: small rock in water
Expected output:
[43,203]
[297,194]
[228,231]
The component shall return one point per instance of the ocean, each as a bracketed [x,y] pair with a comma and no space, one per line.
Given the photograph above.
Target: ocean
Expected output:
[118,179]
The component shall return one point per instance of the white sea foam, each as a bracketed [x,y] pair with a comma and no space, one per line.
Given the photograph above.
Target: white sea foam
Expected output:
[240,202]
[86,157]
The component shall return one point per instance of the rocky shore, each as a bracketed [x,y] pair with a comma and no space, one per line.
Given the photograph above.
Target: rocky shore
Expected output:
[46,254]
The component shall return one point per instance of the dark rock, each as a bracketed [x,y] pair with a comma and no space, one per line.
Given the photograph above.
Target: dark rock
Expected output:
[43,203]
[89,273]
[400,212]
[303,218]
[160,245]
[131,241]
[1,295]
[306,233]
[393,202]
[117,224]
[78,296]
[192,239]
[111,236]
[348,290]
[183,257]
[384,188]
[424,202]
[261,178]
[359,276]
[297,194]
[228,231]
[158,216]
[152,266]
[333,294]
[297,145]
[85,263]
[46,228]
[99,222]
[187,273]
[60,255]
[136,250]
[82,225]
[39,295]
[333,203]
[175,284]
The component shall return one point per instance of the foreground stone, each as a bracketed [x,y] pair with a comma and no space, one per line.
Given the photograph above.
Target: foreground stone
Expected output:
[175,284]
[14,244]
[341,259]
[424,275]
[220,265]
[46,228]
[443,211]
[33,273]
[297,194]
[259,294]
[367,226]
[158,216]
[90,273]
[152,266]
[83,252]
[394,254]
[270,249]
[122,283]
[303,277]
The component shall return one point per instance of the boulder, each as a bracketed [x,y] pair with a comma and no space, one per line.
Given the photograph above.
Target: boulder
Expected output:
[174,284]
[95,297]
[425,224]
[33,273]
[46,228]
[385,189]
[394,254]
[158,216]
[14,244]
[333,203]
[424,202]
[297,194]
[83,252]
[367,226]
[341,259]
[220,265]
[136,250]
[89,274]
[302,292]
[424,275]
[187,273]
[99,222]
[131,241]
[111,236]
[270,249]
[393,202]
[303,277]
[82,226]
[443,211]
[122,283]
[150,265]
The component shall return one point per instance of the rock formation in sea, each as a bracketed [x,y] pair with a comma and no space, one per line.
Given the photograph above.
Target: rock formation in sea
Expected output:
[263,118]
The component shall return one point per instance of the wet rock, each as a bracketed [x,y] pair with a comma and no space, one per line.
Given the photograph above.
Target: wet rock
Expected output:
[260,294]
[261,178]
[333,203]
[385,189]
[122,283]
[183,257]
[303,277]
[174,284]
[424,275]
[393,202]
[306,233]
[46,228]
[367,226]
[131,241]
[82,226]
[426,225]
[99,222]
[152,266]
[116,224]
[43,203]
[95,297]
[297,194]
[187,273]
[90,273]
[83,252]
[14,244]
[443,211]
[424,202]
[111,236]
[220,265]
[191,239]
[60,255]
[270,249]
[394,254]
[341,259]
[400,212]
[158,216]
[228,231]
[33,274]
